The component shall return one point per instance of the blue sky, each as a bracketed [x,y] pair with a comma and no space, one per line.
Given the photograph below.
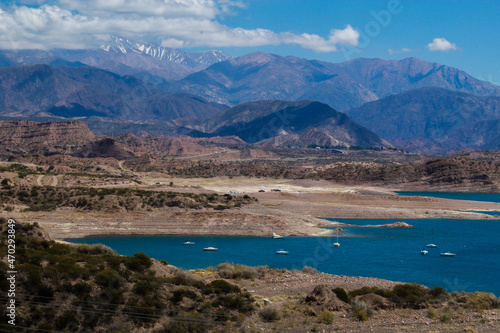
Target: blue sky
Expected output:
[462,34]
[473,26]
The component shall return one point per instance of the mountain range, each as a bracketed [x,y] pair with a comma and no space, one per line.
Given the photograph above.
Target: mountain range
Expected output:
[69,92]
[147,61]
[144,87]
[283,123]
[343,86]
[434,120]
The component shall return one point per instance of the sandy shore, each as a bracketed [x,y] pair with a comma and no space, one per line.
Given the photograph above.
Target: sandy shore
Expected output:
[298,209]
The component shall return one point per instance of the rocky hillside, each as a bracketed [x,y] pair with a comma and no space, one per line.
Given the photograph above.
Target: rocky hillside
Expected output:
[434,120]
[75,138]
[283,123]
[263,76]
[33,136]
[454,174]
[390,77]
[40,90]
[343,86]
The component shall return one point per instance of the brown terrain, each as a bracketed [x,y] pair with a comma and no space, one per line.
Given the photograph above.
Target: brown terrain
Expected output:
[313,183]
[87,185]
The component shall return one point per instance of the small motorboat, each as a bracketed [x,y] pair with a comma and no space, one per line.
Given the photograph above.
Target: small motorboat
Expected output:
[188,243]
[276,236]
[210,248]
[424,252]
[447,254]
[337,244]
[281,252]
[432,246]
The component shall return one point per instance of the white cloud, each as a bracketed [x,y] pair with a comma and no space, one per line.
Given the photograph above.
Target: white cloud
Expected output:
[403,50]
[77,24]
[347,36]
[316,43]
[441,44]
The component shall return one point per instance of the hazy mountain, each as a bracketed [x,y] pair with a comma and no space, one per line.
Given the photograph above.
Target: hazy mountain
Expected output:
[148,61]
[343,86]
[289,123]
[264,76]
[38,90]
[387,77]
[434,119]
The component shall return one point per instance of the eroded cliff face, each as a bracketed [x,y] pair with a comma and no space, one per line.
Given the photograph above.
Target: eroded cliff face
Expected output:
[28,135]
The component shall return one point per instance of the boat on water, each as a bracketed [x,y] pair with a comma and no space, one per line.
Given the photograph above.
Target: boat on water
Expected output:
[337,244]
[276,236]
[281,252]
[447,254]
[424,252]
[210,248]
[188,243]
[432,246]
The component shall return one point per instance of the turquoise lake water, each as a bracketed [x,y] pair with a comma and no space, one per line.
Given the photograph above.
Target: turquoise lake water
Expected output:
[392,254]
[492,197]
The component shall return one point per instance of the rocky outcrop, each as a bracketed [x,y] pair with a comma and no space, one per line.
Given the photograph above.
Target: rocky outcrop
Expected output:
[324,298]
[456,174]
[31,134]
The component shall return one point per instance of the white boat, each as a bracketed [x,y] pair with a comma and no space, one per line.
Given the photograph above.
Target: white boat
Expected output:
[281,252]
[432,245]
[210,249]
[337,244]
[447,254]
[188,243]
[276,236]
[424,252]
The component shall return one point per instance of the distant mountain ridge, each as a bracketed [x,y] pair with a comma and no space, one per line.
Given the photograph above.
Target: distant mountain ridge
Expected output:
[147,61]
[205,58]
[283,123]
[434,120]
[343,86]
[40,90]
[414,104]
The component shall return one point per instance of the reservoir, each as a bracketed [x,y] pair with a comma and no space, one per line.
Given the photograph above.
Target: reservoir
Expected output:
[386,253]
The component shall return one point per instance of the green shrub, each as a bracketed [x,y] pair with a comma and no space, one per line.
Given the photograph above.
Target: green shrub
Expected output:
[270,313]
[139,262]
[477,301]
[361,310]
[45,327]
[143,287]
[326,317]
[222,287]
[58,248]
[109,279]
[341,294]
[445,318]
[187,323]
[94,249]
[410,293]
[179,295]
[309,270]
[184,279]
[438,292]
[82,288]
[67,322]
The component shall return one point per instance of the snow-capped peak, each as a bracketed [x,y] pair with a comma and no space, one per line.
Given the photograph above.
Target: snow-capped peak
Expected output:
[206,58]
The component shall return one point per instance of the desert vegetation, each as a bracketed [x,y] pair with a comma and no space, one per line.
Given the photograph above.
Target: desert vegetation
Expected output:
[47,198]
